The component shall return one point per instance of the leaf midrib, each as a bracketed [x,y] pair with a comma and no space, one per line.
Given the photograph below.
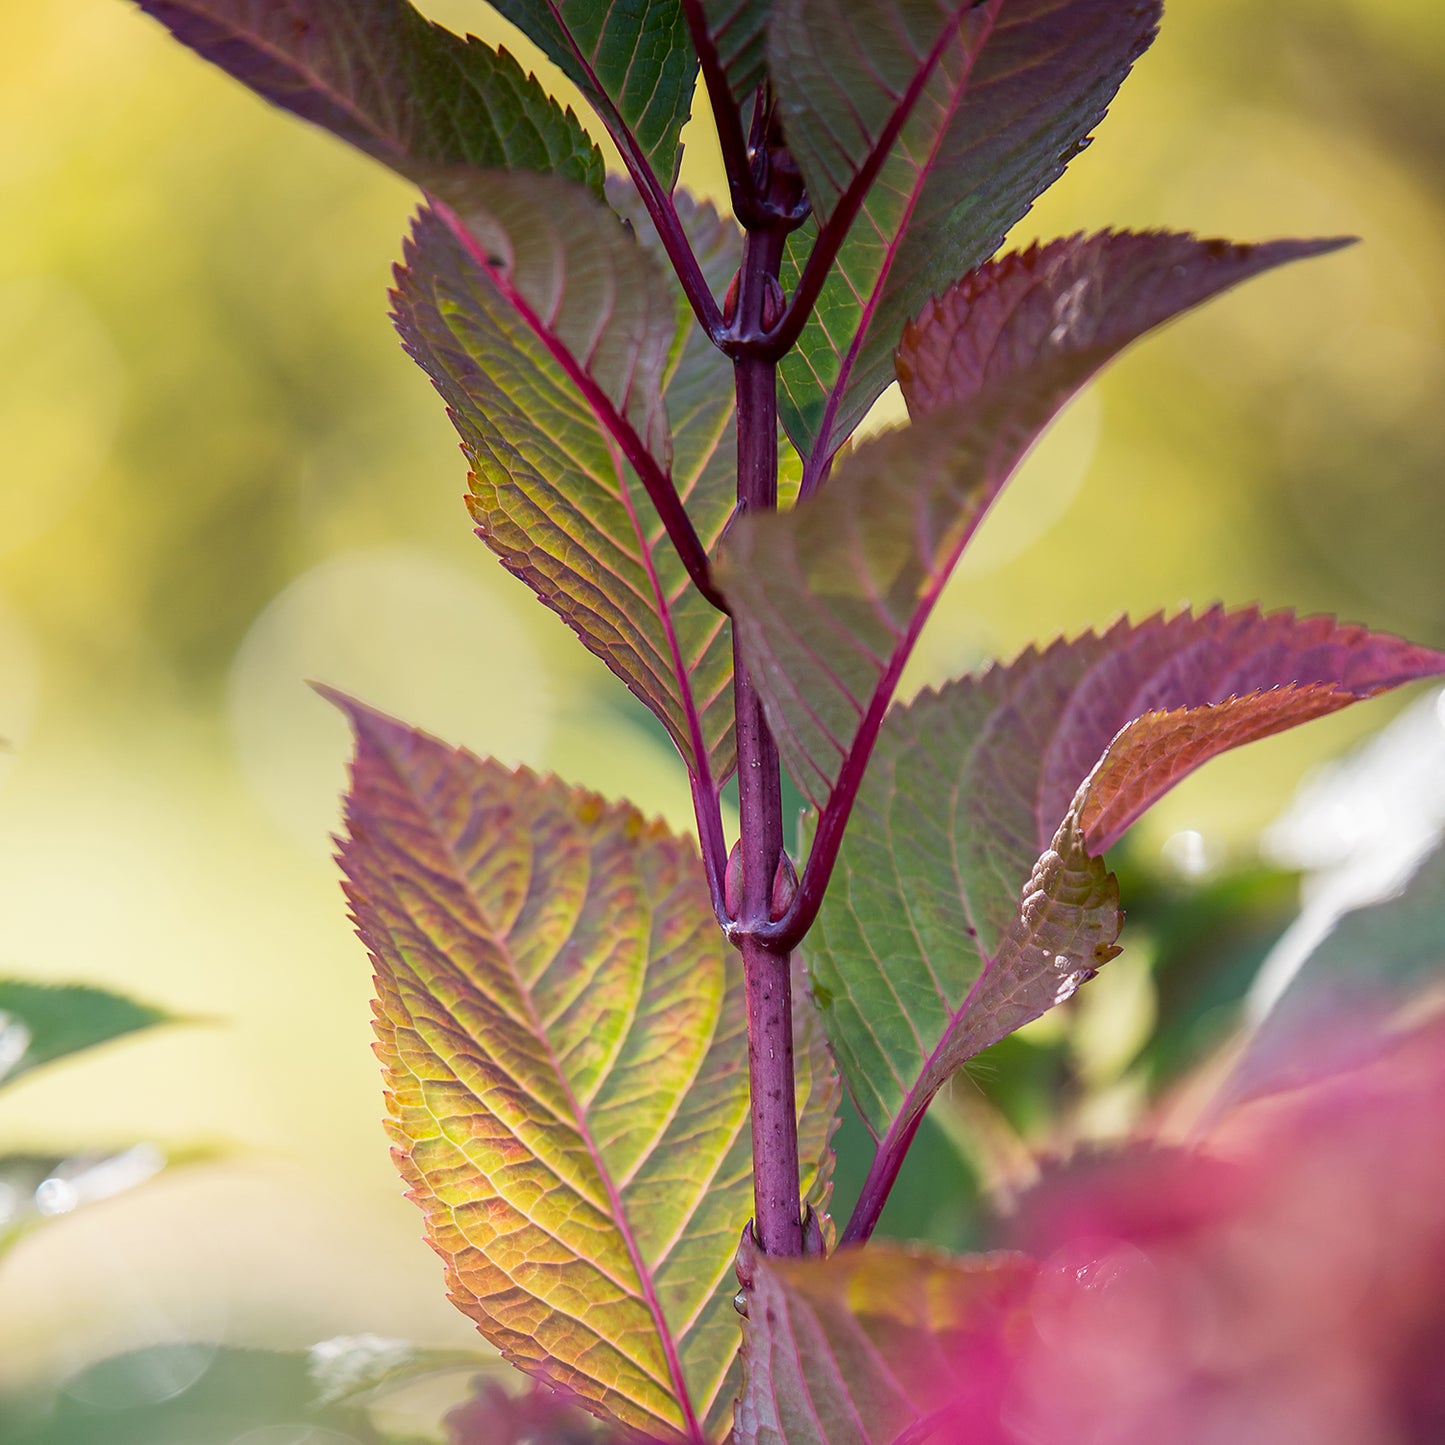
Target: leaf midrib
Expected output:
[922,172]
[620,1220]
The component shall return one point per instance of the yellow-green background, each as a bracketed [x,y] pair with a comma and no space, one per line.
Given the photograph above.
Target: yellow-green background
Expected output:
[219,474]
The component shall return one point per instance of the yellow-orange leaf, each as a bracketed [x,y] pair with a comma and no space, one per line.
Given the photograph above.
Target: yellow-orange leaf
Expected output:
[564,1041]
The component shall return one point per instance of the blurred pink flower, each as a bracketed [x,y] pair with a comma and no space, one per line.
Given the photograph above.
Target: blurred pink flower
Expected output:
[1281,1284]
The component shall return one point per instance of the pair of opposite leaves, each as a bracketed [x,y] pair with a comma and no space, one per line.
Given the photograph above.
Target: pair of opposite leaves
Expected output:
[540,955]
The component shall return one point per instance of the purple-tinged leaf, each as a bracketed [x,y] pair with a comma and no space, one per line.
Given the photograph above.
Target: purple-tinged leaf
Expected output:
[632,59]
[538,1416]
[564,1040]
[381,76]
[937,124]
[552,362]
[828,599]
[864,1348]
[697,378]
[970,894]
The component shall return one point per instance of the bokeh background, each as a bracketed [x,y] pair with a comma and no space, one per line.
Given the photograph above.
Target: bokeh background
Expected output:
[219,476]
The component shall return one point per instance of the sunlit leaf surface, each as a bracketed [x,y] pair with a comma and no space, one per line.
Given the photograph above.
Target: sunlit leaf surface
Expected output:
[968,112]
[857,1349]
[970,895]
[828,599]
[574,302]
[563,1034]
[381,76]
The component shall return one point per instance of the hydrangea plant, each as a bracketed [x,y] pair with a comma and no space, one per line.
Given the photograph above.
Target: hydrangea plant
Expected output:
[612,1052]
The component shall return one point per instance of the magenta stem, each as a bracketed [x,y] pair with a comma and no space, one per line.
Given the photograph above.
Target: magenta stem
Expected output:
[776,1219]
[882,1175]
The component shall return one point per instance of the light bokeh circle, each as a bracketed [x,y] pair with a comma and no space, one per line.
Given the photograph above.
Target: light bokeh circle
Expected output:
[401,631]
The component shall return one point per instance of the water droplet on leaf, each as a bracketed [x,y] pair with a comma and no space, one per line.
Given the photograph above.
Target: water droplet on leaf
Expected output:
[14,1042]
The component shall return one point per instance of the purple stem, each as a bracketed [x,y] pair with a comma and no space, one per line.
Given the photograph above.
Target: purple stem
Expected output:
[776,1219]
[882,1175]
[726,115]
[708,813]
[655,481]
[787,932]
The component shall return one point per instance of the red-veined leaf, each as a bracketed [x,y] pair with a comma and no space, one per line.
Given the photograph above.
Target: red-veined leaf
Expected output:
[632,59]
[970,894]
[828,599]
[381,76]
[563,1033]
[557,364]
[860,1348]
[938,124]
[737,31]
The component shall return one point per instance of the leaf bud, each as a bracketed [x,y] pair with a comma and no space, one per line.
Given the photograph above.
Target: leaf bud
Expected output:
[774,303]
[814,1244]
[733,882]
[785,887]
[730,301]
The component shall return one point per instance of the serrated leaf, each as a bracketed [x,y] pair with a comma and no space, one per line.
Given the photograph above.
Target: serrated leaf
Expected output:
[579,303]
[861,1348]
[381,76]
[970,895]
[40,1023]
[632,59]
[1374,963]
[973,110]
[563,1034]
[828,599]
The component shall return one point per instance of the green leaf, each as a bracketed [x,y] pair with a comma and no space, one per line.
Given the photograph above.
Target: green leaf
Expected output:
[970,895]
[549,360]
[946,121]
[189,1393]
[860,1348]
[563,1035]
[37,1188]
[632,59]
[1372,965]
[42,1022]
[828,599]
[366,1370]
[379,75]
[738,30]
